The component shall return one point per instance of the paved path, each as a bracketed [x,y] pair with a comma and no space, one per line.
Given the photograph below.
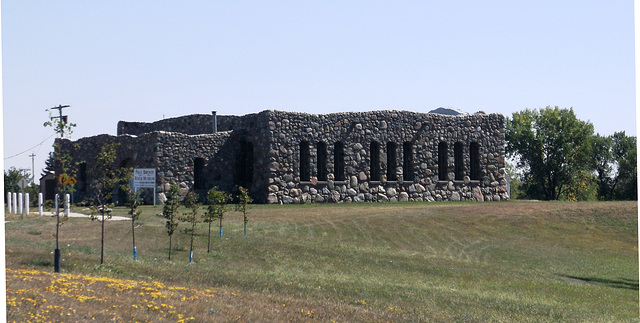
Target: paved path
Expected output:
[80,215]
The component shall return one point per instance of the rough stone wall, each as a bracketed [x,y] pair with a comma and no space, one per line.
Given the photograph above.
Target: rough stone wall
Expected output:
[195,124]
[356,130]
[132,151]
[262,152]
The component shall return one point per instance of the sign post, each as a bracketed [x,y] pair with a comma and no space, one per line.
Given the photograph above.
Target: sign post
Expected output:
[22,183]
[145,178]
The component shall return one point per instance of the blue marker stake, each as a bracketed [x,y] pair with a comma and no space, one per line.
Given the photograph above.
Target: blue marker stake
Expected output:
[245,231]
[191,257]
[135,253]
[220,232]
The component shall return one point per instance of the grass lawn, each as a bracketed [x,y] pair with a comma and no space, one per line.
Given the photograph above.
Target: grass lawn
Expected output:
[442,262]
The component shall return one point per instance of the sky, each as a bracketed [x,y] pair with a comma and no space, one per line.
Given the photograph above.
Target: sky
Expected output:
[149,60]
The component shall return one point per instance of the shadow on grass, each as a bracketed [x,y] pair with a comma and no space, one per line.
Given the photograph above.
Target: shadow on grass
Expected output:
[615,283]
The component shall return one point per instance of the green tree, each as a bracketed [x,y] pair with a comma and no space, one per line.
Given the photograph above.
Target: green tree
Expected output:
[133,202]
[243,205]
[62,163]
[105,176]
[11,178]
[552,147]
[603,158]
[217,207]
[616,166]
[191,203]
[49,165]
[170,210]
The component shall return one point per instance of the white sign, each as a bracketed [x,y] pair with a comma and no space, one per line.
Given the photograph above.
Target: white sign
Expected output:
[144,178]
[23,183]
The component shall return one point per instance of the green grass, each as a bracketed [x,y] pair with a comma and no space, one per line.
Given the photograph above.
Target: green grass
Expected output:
[510,261]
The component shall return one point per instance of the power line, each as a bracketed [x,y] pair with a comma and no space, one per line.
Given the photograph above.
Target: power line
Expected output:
[26,151]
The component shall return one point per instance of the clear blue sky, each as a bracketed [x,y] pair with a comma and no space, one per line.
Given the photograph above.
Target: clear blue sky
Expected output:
[145,60]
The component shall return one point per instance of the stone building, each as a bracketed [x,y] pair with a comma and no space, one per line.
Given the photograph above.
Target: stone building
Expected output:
[289,157]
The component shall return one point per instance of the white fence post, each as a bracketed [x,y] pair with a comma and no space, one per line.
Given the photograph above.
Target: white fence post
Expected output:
[9,209]
[26,203]
[40,206]
[66,204]
[20,200]
[14,202]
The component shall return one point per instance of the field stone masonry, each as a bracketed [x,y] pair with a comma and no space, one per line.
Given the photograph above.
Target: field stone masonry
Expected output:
[292,157]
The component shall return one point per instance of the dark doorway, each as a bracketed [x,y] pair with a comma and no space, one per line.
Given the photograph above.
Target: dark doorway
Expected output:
[245,164]
[199,182]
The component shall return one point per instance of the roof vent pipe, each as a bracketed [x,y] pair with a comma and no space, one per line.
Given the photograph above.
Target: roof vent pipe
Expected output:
[215,122]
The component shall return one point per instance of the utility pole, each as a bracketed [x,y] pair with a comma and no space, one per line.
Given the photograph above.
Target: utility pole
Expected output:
[63,119]
[33,176]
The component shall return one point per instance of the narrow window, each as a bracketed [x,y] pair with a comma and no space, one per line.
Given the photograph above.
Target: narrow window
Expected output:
[474,159]
[458,158]
[407,162]
[392,163]
[198,174]
[442,161]
[374,151]
[338,163]
[305,161]
[322,161]
[245,164]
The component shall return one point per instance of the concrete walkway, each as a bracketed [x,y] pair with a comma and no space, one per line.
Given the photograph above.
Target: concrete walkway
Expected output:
[80,215]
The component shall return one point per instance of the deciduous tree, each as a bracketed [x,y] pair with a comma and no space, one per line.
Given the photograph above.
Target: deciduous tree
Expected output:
[191,203]
[105,178]
[170,210]
[243,205]
[616,166]
[217,206]
[552,147]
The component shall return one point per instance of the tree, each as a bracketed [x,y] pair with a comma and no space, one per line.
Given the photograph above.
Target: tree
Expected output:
[217,206]
[62,160]
[243,205]
[49,165]
[133,202]
[105,178]
[616,167]
[169,211]
[552,147]
[11,178]
[63,163]
[191,203]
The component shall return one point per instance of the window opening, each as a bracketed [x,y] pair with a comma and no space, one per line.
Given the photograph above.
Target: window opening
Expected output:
[458,158]
[338,163]
[407,162]
[374,152]
[305,161]
[442,161]
[392,163]
[474,159]
[322,161]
